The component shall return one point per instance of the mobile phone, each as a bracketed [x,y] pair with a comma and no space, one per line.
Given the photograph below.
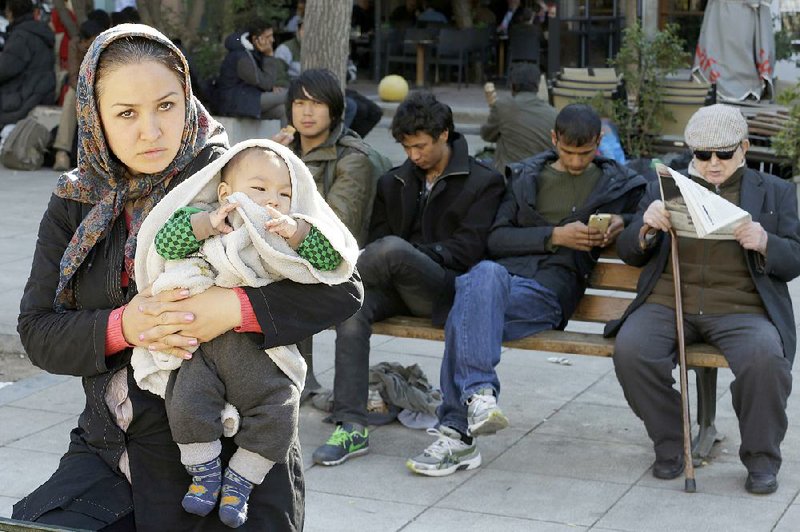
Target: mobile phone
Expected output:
[600,222]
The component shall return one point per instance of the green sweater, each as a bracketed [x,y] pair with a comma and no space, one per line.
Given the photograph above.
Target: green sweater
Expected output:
[176,240]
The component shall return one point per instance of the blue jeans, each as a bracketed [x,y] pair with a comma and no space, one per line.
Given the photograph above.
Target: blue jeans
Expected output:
[491,306]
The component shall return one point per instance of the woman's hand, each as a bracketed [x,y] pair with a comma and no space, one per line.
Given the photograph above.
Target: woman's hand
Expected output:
[155,322]
[215,311]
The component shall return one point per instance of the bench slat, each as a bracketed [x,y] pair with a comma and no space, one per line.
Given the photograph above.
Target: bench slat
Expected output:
[614,276]
[600,309]
[701,355]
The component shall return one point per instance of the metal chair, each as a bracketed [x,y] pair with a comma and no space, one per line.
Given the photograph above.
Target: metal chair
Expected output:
[452,50]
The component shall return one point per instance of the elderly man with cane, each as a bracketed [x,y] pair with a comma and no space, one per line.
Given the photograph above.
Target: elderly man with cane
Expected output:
[735,298]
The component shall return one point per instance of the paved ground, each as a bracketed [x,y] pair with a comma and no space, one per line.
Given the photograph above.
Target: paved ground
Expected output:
[575,457]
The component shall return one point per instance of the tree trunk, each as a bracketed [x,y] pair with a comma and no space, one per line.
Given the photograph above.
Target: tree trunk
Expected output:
[462,13]
[82,8]
[150,12]
[326,36]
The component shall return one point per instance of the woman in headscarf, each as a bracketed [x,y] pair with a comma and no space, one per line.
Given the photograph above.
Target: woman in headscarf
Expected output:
[141,132]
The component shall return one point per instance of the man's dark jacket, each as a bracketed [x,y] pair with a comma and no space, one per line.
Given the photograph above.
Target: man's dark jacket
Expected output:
[520,235]
[74,344]
[27,75]
[241,96]
[771,202]
[456,217]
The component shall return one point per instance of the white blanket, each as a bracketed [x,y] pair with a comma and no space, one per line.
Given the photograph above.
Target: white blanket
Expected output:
[248,256]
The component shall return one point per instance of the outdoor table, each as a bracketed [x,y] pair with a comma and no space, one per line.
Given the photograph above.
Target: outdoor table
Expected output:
[421,45]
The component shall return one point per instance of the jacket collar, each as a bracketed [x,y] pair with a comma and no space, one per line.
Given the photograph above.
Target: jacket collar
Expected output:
[458,164]
[325,151]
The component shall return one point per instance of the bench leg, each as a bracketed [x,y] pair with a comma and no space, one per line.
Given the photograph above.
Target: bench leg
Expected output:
[706,413]
[312,386]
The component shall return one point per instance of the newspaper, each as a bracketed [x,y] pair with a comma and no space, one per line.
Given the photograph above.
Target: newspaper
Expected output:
[695,211]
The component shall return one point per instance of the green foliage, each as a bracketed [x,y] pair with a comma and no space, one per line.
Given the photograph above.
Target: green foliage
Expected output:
[787,142]
[642,61]
[783,45]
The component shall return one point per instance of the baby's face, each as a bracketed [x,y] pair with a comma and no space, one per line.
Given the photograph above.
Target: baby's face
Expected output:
[264,179]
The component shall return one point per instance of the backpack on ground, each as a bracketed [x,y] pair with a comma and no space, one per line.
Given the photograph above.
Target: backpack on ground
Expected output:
[380,165]
[25,147]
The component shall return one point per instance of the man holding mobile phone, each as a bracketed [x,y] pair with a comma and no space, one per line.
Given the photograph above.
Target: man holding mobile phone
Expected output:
[543,251]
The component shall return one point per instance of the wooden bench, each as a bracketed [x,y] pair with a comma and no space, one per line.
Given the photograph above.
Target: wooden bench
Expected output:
[612,287]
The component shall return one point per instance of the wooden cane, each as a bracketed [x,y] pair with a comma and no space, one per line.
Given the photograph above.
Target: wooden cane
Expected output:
[689,485]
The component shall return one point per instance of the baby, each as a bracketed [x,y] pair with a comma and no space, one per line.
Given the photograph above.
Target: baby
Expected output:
[263,190]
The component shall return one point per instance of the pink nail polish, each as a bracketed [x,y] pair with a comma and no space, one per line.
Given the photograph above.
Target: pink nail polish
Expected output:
[184,292]
[141,336]
[187,356]
[193,341]
[188,317]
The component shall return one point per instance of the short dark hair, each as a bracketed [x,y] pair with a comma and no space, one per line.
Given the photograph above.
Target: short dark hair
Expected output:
[257,26]
[421,112]
[101,16]
[128,15]
[322,85]
[525,77]
[577,125]
[19,8]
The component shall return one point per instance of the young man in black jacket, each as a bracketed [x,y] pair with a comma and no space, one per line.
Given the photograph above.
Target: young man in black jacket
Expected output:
[429,223]
[543,252]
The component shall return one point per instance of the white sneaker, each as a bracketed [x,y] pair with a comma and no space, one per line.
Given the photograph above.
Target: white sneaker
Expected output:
[483,414]
[446,455]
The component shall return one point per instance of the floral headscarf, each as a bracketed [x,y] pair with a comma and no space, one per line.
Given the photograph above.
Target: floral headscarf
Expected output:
[101,179]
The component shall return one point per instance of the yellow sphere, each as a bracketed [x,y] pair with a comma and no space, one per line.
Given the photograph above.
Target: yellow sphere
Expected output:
[393,88]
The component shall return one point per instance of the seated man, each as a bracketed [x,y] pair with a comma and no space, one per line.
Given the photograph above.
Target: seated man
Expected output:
[734,298]
[520,124]
[429,223]
[543,251]
[337,157]
[252,81]
[27,75]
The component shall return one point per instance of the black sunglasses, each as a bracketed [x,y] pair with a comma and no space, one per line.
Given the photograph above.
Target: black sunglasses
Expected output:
[705,155]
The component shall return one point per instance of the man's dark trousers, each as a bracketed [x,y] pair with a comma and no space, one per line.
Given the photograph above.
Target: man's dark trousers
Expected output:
[645,355]
[398,279]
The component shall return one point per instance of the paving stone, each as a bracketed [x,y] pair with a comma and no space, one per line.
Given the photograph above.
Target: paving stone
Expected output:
[412,346]
[18,423]
[596,422]
[564,456]
[66,397]
[24,470]
[463,521]
[54,440]
[6,505]
[727,478]
[355,513]
[541,497]
[30,386]
[790,522]
[665,510]
[382,478]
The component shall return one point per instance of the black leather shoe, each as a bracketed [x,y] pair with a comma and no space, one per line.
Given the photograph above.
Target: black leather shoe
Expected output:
[669,468]
[761,483]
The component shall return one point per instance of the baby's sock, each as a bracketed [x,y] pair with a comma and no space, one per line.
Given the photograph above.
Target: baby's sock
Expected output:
[203,492]
[235,492]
